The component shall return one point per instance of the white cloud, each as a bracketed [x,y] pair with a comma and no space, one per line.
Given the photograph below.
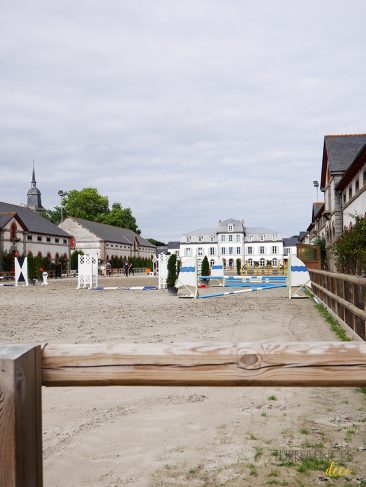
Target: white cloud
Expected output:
[186,111]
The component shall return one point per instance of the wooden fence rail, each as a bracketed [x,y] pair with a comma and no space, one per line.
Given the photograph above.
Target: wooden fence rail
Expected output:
[344,295]
[23,369]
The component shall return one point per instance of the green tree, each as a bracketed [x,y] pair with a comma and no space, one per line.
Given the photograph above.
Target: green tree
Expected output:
[120,217]
[238,266]
[350,249]
[74,259]
[205,267]
[323,251]
[172,271]
[54,216]
[156,242]
[87,204]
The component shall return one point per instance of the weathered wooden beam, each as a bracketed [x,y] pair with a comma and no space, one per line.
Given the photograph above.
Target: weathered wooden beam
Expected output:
[20,416]
[199,364]
[344,277]
[351,307]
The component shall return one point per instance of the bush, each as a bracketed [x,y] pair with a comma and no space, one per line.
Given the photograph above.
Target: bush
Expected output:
[350,249]
[172,271]
[74,259]
[238,266]
[205,267]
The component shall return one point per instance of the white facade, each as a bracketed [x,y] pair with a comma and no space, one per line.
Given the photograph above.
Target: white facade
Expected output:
[354,197]
[232,241]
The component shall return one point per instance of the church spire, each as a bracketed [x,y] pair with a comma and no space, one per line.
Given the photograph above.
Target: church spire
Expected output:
[34,201]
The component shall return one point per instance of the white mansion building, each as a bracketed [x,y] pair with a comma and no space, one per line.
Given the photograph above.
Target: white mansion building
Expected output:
[231,241]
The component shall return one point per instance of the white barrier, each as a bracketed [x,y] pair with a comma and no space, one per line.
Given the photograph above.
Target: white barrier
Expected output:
[298,275]
[21,270]
[162,270]
[188,276]
[87,271]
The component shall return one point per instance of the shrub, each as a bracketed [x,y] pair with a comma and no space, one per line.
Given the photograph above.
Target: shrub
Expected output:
[205,267]
[172,271]
[350,249]
[238,266]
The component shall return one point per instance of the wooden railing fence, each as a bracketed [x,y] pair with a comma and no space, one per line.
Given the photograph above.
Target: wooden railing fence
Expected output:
[24,369]
[345,295]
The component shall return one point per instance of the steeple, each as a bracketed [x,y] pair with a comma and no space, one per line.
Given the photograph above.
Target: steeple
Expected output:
[34,201]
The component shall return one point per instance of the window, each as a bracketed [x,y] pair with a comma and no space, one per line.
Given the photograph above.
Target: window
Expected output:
[262,262]
[344,197]
[188,252]
[250,262]
[39,238]
[261,238]
[48,239]
[29,237]
[65,241]
[250,250]
[238,250]
[286,251]
[223,238]
[230,228]
[212,250]
[238,238]
[223,251]
[350,193]
[274,262]
[212,238]
[188,239]
[13,231]
[230,238]
[231,250]
[200,251]
[212,262]
[57,240]
[274,249]
[177,253]
[200,239]
[261,249]
[357,185]
[250,238]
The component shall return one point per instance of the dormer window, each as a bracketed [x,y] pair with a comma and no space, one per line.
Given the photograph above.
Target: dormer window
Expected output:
[212,238]
[188,239]
[261,238]
[200,239]
[230,228]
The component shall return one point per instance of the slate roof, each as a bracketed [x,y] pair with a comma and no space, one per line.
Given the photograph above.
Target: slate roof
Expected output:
[356,165]
[317,207]
[290,242]
[201,232]
[34,223]
[110,233]
[5,217]
[340,151]
[173,245]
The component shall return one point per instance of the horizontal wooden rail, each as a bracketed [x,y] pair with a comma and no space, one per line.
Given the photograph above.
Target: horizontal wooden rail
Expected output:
[357,311]
[343,277]
[201,364]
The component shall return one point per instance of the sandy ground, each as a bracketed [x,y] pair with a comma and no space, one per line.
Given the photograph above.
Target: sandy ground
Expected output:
[152,437]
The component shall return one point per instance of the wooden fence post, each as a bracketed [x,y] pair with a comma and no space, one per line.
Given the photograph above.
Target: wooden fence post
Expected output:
[20,416]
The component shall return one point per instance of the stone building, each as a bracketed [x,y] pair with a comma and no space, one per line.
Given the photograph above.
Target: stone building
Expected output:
[106,241]
[22,231]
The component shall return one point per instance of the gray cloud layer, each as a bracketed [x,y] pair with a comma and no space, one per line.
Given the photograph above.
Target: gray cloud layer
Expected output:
[186,111]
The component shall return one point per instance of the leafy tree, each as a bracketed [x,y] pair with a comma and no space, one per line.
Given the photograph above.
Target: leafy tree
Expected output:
[172,271]
[120,217]
[87,204]
[323,251]
[205,267]
[54,216]
[156,242]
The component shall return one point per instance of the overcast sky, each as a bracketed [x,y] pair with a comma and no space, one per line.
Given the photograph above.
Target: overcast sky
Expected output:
[186,111]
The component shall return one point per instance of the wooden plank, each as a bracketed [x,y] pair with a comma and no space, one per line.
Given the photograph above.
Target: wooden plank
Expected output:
[20,416]
[200,364]
[337,275]
[353,309]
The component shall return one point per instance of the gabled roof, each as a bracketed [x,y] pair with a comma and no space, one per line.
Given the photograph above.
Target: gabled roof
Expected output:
[317,210]
[339,151]
[110,233]
[5,218]
[201,232]
[356,165]
[33,222]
